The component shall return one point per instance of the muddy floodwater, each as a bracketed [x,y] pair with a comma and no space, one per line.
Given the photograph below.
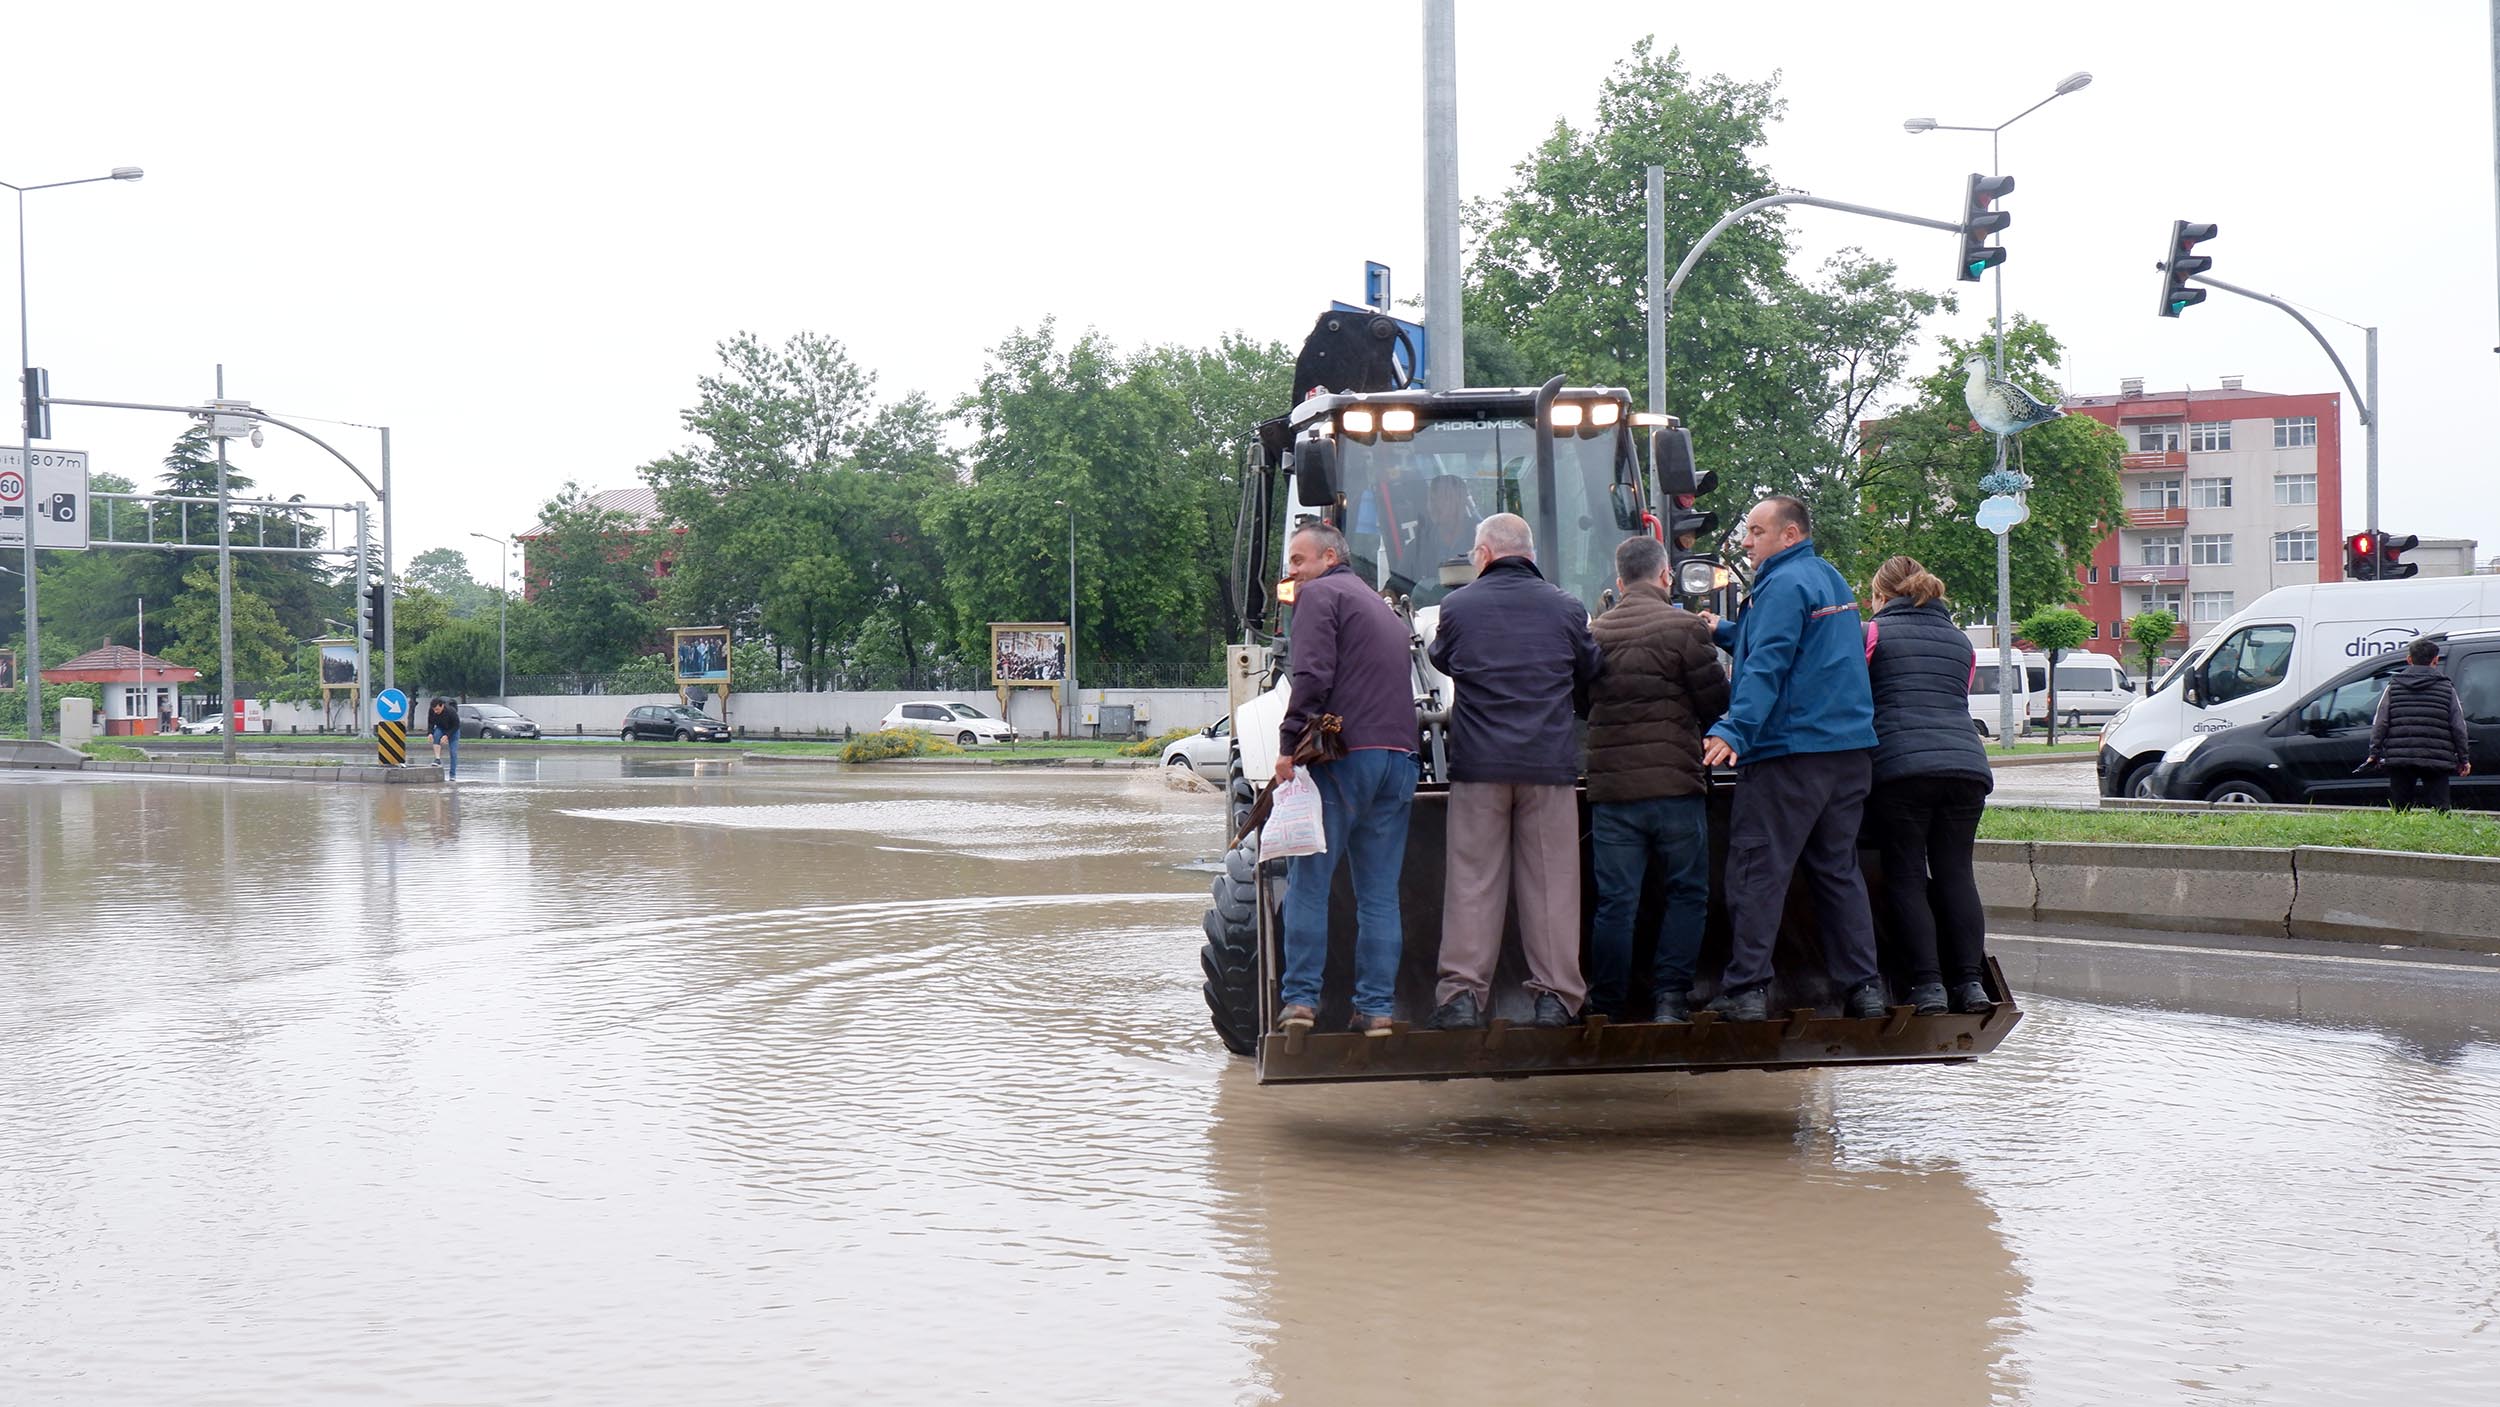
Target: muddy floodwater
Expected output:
[678,1081]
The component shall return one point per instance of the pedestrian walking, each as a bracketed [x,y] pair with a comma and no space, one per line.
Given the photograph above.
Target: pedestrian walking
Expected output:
[1352,660]
[2418,733]
[1661,684]
[1517,650]
[442,725]
[1800,731]
[1932,781]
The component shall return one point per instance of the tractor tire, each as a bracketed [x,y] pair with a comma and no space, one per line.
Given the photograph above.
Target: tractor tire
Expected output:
[1239,794]
[1230,957]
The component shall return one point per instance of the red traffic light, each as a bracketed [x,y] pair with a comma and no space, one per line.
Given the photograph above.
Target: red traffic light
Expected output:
[2360,544]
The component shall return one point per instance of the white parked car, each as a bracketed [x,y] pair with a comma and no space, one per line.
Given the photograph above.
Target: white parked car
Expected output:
[1208,752]
[961,724]
[214,723]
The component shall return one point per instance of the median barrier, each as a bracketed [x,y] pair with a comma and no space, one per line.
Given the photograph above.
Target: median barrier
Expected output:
[2378,896]
[2006,883]
[2178,888]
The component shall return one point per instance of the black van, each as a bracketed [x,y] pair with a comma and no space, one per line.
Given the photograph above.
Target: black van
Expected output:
[2312,751]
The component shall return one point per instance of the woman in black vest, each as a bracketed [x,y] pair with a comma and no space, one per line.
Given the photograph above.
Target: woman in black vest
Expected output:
[1931,783]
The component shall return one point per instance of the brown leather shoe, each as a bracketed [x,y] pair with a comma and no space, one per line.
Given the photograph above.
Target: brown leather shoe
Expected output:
[1296,1017]
[1373,1025]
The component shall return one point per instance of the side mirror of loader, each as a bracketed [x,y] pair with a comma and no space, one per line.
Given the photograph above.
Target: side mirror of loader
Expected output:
[1627,502]
[1315,471]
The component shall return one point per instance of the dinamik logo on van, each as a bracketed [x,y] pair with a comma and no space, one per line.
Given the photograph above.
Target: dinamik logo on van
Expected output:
[2387,640]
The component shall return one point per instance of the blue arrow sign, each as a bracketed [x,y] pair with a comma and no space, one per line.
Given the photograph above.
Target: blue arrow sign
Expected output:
[2001,513]
[391,706]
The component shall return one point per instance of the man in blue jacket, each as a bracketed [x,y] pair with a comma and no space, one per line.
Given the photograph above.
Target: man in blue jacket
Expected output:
[1519,657]
[1800,731]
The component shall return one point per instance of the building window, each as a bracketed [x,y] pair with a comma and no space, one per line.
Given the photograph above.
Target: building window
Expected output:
[2212,605]
[2159,601]
[2209,493]
[2293,432]
[2298,545]
[2092,575]
[2117,630]
[2157,493]
[2096,630]
[2296,488]
[2209,550]
[2158,550]
[2156,439]
[2211,435]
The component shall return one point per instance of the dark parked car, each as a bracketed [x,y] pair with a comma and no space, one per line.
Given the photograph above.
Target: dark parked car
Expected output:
[494,721]
[2312,751]
[686,725]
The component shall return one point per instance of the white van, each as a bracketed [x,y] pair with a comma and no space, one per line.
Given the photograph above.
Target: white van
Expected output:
[2249,667]
[2031,683]
[2090,688]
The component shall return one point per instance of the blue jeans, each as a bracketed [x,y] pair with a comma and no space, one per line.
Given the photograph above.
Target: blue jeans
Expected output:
[450,739]
[1364,802]
[1627,836]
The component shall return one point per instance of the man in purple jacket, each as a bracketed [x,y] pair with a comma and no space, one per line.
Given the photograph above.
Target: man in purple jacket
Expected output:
[1351,657]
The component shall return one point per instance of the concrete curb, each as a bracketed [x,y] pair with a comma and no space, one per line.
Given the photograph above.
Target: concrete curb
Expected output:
[1106,764]
[2314,892]
[372,773]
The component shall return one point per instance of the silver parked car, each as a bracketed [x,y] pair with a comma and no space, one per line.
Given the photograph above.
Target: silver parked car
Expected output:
[1208,752]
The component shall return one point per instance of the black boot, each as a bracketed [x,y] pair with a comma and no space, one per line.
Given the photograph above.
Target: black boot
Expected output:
[1672,1007]
[1459,1013]
[1865,999]
[1928,997]
[1972,997]
[1550,1011]
[1753,1005]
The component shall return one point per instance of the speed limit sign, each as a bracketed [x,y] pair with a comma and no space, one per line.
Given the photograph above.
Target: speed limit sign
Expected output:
[51,502]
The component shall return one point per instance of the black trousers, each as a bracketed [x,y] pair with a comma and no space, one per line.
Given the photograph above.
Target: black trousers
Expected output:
[1799,812]
[2432,783]
[1925,828]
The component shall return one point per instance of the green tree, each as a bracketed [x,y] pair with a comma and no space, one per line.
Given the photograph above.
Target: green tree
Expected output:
[262,644]
[2151,633]
[444,571]
[457,658]
[1918,483]
[2053,632]
[594,568]
[1772,373]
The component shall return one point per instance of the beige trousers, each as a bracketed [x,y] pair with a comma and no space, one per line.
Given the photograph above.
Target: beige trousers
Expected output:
[1499,833]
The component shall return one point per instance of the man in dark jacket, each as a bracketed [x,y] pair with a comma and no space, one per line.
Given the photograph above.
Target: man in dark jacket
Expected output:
[1662,684]
[1800,730]
[1519,658]
[2419,731]
[1353,657]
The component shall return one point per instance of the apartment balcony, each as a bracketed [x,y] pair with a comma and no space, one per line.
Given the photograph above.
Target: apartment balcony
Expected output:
[2157,517]
[2146,461]
[2138,574]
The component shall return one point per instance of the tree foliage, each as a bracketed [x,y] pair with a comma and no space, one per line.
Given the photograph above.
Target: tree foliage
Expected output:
[2151,633]
[593,568]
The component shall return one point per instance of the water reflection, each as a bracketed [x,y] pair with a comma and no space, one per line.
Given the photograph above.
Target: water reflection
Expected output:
[670,1084]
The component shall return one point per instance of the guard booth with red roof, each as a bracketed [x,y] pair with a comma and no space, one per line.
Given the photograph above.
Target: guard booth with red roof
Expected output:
[142,694]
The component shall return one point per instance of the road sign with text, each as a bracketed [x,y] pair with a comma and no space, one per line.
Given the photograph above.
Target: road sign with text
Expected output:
[53,498]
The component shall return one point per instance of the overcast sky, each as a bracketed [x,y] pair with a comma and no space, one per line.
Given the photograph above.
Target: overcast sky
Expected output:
[514,233]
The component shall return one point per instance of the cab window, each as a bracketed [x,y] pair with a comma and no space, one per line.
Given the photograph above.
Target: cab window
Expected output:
[2478,686]
[2251,660]
[2352,705]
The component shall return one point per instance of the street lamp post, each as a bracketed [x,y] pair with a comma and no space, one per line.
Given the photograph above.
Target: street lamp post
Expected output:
[1075,710]
[503,598]
[26,439]
[2071,83]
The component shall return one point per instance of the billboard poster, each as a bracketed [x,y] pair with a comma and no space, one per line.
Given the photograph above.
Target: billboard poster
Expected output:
[338,666]
[1028,652]
[702,653]
[8,669]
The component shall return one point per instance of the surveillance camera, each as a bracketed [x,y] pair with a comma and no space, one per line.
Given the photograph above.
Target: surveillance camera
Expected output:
[256,437]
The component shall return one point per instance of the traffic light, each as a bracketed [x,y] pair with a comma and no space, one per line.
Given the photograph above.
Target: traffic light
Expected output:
[38,385]
[369,615]
[2391,550]
[2180,263]
[2361,557]
[1981,219]
[1679,483]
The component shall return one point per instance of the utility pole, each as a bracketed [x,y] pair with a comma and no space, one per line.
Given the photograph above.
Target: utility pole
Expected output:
[1658,288]
[1445,317]
[390,637]
[225,594]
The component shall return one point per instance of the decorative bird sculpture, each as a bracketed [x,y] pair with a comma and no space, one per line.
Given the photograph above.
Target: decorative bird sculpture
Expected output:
[2000,406]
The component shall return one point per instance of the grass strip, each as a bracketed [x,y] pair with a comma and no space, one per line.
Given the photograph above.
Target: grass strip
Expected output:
[2423,832]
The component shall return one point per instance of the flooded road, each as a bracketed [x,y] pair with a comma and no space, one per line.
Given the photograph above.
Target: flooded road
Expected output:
[675,1080]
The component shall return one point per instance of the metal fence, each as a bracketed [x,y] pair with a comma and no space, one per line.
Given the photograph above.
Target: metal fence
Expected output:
[1149,674]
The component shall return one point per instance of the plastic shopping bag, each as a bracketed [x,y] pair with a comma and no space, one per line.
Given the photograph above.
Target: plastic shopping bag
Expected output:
[1293,821]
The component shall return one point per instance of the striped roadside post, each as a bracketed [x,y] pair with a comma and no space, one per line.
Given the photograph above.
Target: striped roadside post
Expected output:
[390,727]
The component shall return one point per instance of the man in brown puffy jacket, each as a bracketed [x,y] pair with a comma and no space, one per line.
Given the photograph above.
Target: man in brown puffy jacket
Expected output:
[1661,689]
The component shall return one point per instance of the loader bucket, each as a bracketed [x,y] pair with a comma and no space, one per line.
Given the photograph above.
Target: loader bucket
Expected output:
[1805,1028]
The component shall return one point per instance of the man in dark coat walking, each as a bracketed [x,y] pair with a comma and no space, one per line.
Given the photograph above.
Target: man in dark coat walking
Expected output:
[1661,686]
[2419,731]
[1519,657]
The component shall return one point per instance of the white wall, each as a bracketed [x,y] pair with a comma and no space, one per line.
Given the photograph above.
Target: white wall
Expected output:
[757,715]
